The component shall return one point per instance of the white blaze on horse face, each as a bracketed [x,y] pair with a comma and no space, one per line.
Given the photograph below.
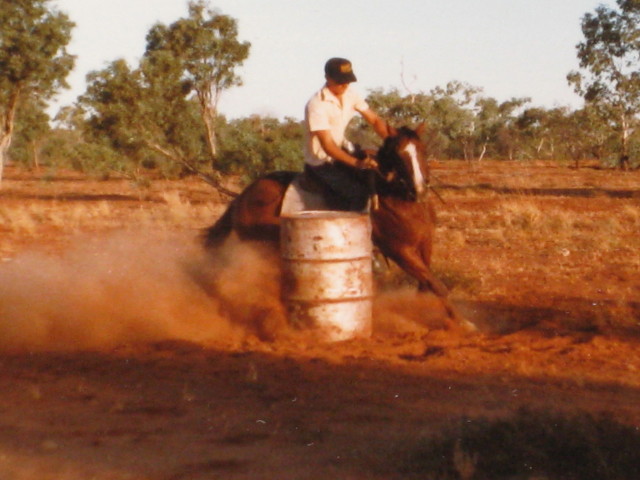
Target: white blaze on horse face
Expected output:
[418,178]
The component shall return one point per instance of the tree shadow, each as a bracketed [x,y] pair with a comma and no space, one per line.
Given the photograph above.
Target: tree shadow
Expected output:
[564,316]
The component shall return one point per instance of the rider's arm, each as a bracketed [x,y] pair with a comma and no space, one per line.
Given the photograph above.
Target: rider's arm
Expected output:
[333,150]
[377,123]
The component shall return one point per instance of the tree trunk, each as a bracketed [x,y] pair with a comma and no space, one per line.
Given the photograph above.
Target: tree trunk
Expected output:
[482,152]
[5,141]
[209,118]
[6,128]
[623,161]
[208,110]
[35,154]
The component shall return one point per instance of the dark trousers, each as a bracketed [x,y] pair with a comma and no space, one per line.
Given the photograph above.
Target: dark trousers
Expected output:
[347,188]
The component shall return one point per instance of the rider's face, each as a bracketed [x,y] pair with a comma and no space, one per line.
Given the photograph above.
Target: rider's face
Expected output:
[336,88]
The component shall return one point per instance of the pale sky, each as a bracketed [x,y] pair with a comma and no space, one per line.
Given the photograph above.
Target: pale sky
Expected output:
[509,48]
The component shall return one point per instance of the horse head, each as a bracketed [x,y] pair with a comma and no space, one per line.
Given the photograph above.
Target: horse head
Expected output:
[401,162]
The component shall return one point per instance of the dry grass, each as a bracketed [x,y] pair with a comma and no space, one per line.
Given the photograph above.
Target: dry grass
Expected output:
[51,213]
[500,235]
[32,219]
[557,239]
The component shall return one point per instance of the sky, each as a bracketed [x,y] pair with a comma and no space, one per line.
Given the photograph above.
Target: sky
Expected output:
[509,48]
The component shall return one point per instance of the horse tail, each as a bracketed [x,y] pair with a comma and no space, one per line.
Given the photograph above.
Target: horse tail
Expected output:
[216,234]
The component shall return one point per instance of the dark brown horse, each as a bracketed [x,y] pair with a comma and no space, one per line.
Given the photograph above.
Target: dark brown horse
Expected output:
[402,223]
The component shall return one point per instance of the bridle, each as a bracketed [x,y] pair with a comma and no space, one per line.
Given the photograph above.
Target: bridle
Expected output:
[399,165]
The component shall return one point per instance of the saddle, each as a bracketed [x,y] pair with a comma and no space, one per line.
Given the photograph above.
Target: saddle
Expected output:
[305,193]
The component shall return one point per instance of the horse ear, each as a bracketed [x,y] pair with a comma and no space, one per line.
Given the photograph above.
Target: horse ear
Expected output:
[420,128]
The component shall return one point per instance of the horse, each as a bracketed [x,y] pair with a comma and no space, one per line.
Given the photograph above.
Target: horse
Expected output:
[402,218]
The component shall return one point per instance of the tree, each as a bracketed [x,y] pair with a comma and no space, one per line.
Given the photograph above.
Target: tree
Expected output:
[138,115]
[495,126]
[586,135]
[398,110]
[453,112]
[460,122]
[205,51]
[610,61]
[165,111]
[33,58]
[31,130]
[255,145]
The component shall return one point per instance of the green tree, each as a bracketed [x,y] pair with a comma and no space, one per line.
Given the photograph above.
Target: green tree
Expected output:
[446,112]
[453,114]
[256,145]
[204,52]
[165,111]
[585,136]
[610,62]
[33,58]
[494,126]
[31,130]
[460,122]
[145,117]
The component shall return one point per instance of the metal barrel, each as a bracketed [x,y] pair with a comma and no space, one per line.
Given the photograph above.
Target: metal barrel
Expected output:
[327,272]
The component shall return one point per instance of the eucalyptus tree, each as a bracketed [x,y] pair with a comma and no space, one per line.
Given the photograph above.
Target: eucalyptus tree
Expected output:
[398,109]
[609,59]
[495,122]
[166,108]
[204,52]
[145,118]
[460,121]
[31,131]
[33,58]
[454,113]
[585,135]
[256,145]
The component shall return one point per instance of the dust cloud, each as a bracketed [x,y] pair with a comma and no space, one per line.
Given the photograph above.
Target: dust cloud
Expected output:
[133,287]
[139,287]
[405,310]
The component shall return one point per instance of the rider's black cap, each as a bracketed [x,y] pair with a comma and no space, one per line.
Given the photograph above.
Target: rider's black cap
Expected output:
[339,70]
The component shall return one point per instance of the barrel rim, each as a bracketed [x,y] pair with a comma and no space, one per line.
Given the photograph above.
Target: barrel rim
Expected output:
[323,214]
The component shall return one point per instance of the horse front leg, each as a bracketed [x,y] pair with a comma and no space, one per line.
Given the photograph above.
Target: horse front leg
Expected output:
[413,263]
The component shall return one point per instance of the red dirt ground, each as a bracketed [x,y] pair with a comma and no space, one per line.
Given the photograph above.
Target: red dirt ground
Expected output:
[558,332]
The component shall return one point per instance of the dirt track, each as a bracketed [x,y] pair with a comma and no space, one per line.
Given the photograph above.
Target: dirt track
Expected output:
[235,407]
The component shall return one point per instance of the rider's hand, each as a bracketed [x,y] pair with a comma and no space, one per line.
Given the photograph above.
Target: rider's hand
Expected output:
[367,162]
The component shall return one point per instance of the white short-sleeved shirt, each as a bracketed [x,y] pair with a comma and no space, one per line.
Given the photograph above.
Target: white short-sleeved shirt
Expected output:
[325,112]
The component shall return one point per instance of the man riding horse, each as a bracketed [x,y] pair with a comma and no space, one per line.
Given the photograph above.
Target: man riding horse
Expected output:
[404,221]
[329,156]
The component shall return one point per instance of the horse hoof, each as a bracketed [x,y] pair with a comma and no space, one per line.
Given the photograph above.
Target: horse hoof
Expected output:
[468,326]
[462,325]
